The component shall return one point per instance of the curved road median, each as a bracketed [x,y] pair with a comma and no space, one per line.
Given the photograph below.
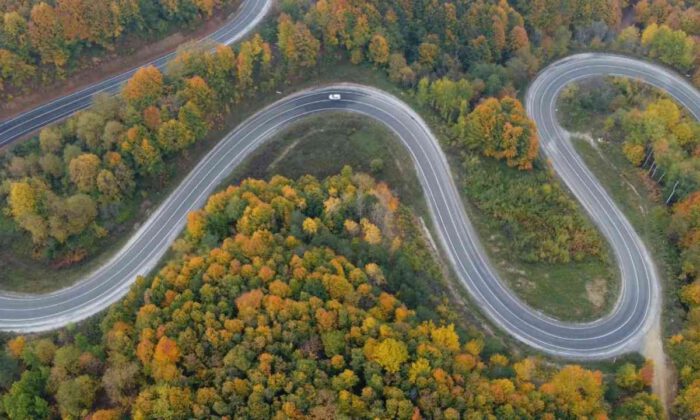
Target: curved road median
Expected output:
[618,332]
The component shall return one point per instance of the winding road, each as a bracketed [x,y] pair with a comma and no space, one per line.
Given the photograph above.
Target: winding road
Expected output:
[620,331]
[249,14]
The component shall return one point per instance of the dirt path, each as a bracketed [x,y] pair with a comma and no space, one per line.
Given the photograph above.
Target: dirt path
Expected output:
[663,384]
[284,153]
[128,53]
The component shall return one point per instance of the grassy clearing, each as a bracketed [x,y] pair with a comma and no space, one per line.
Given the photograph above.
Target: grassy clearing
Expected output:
[20,272]
[574,291]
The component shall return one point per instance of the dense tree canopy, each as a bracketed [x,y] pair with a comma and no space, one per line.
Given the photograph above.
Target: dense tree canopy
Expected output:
[500,129]
[671,47]
[277,304]
[48,37]
[90,165]
[463,59]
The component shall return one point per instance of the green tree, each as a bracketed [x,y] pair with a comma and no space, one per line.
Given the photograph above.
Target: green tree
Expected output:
[144,88]
[25,398]
[628,378]
[76,396]
[671,47]
[641,406]
[173,136]
[89,128]
[191,118]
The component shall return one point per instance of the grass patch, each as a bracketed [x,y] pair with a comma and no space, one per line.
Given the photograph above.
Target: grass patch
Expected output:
[573,291]
[321,145]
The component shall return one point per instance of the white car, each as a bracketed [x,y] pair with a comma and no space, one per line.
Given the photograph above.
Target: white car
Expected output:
[334,97]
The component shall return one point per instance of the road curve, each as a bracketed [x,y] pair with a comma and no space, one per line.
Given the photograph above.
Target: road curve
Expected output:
[616,333]
[249,14]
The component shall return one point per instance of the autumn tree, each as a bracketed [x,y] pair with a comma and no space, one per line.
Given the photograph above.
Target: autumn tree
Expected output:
[173,136]
[389,353]
[163,401]
[500,129]
[671,47]
[199,93]
[52,165]
[576,391]
[23,199]
[71,216]
[15,33]
[37,37]
[83,171]
[245,66]
[91,22]
[297,44]
[151,117]
[519,39]
[165,356]
[379,50]
[262,271]
[50,139]
[47,37]
[14,70]
[400,71]
[108,186]
[144,88]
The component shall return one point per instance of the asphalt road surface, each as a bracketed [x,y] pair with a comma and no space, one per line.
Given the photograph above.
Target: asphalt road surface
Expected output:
[250,13]
[618,332]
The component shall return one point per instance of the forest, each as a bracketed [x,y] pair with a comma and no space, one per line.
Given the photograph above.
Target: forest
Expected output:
[283,300]
[43,40]
[92,166]
[467,61]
